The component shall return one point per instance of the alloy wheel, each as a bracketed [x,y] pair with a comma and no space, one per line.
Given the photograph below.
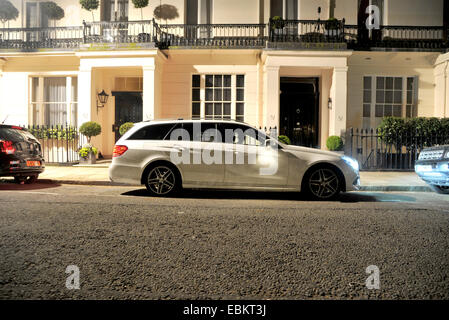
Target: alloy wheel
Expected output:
[323,183]
[161,180]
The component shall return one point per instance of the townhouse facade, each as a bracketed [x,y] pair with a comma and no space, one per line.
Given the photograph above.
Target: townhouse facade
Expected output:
[270,63]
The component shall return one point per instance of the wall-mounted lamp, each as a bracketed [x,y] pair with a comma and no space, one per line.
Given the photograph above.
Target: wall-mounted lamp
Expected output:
[329,103]
[102,98]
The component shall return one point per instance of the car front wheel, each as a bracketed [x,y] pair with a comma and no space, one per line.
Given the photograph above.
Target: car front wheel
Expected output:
[162,180]
[322,183]
[440,189]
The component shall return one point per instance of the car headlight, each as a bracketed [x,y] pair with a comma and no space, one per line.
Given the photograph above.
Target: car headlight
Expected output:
[446,155]
[351,162]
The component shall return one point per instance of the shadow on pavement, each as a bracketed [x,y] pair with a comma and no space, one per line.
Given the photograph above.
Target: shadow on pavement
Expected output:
[10,184]
[290,196]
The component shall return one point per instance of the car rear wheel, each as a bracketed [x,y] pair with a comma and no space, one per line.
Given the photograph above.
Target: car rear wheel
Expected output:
[440,189]
[322,183]
[162,180]
[26,179]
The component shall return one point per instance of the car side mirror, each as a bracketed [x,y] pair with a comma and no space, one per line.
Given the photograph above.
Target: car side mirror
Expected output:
[272,143]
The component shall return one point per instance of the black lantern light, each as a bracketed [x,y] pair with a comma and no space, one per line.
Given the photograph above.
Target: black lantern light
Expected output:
[103,98]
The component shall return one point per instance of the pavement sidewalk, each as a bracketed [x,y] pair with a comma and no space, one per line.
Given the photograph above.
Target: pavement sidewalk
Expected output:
[98,175]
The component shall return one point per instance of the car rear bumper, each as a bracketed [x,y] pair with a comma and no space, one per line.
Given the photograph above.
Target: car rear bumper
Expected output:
[121,173]
[18,167]
[433,172]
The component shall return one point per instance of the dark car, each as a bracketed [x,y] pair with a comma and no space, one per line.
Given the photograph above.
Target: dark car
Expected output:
[433,167]
[20,154]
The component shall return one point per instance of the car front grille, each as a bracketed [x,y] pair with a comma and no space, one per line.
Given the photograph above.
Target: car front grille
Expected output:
[431,154]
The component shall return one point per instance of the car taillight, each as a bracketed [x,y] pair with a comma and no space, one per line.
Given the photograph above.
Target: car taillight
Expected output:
[7,147]
[119,150]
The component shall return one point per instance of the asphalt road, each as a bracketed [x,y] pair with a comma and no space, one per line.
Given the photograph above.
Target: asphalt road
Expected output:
[220,245]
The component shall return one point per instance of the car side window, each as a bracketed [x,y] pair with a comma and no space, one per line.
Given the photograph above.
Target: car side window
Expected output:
[204,132]
[152,132]
[240,134]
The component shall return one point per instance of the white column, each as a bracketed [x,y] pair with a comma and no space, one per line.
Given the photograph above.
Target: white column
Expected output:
[84,94]
[337,115]
[149,97]
[271,96]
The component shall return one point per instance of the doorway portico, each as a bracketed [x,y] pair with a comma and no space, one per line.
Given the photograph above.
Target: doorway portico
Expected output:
[330,70]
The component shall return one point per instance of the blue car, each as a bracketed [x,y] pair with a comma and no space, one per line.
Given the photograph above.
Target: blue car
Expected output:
[433,167]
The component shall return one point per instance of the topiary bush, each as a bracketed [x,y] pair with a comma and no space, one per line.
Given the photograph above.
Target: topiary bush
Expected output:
[334,143]
[90,129]
[7,12]
[125,127]
[52,10]
[90,5]
[284,139]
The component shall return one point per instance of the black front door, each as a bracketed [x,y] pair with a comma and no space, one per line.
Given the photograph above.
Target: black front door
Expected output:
[299,106]
[128,108]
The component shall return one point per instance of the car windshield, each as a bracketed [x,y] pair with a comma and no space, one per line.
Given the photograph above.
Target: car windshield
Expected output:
[15,135]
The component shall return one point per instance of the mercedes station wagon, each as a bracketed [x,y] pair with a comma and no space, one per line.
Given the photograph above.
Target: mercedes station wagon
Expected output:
[167,156]
[433,167]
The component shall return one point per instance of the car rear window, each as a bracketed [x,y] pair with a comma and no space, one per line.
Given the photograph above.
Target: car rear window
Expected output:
[15,135]
[152,132]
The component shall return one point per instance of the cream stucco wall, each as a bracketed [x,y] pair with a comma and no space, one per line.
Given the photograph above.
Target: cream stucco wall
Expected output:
[235,11]
[420,64]
[178,70]
[14,88]
[346,9]
[413,12]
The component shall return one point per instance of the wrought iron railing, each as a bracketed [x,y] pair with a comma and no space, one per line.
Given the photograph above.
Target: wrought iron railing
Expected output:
[311,31]
[59,143]
[400,37]
[374,153]
[279,33]
[120,32]
[41,38]
[215,35]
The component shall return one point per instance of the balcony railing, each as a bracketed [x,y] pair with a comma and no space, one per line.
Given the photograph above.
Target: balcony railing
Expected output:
[120,32]
[398,37]
[41,38]
[284,34]
[214,35]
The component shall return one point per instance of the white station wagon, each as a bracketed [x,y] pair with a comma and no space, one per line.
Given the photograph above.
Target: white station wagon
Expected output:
[168,156]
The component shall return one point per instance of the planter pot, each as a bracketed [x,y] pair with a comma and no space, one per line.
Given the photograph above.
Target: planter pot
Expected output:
[91,159]
[333,32]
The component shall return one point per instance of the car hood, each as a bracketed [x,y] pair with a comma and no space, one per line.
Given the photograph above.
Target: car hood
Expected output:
[311,150]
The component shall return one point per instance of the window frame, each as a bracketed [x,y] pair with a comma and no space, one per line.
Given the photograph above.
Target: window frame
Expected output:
[233,102]
[36,109]
[414,106]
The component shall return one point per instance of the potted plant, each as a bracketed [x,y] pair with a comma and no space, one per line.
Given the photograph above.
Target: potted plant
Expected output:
[88,153]
[7,12]
[53,11]
[90,5]
[277,25]
[334,143]
[333,27]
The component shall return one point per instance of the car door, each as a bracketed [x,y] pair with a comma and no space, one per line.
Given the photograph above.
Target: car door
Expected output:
[205,165]
[253,163]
